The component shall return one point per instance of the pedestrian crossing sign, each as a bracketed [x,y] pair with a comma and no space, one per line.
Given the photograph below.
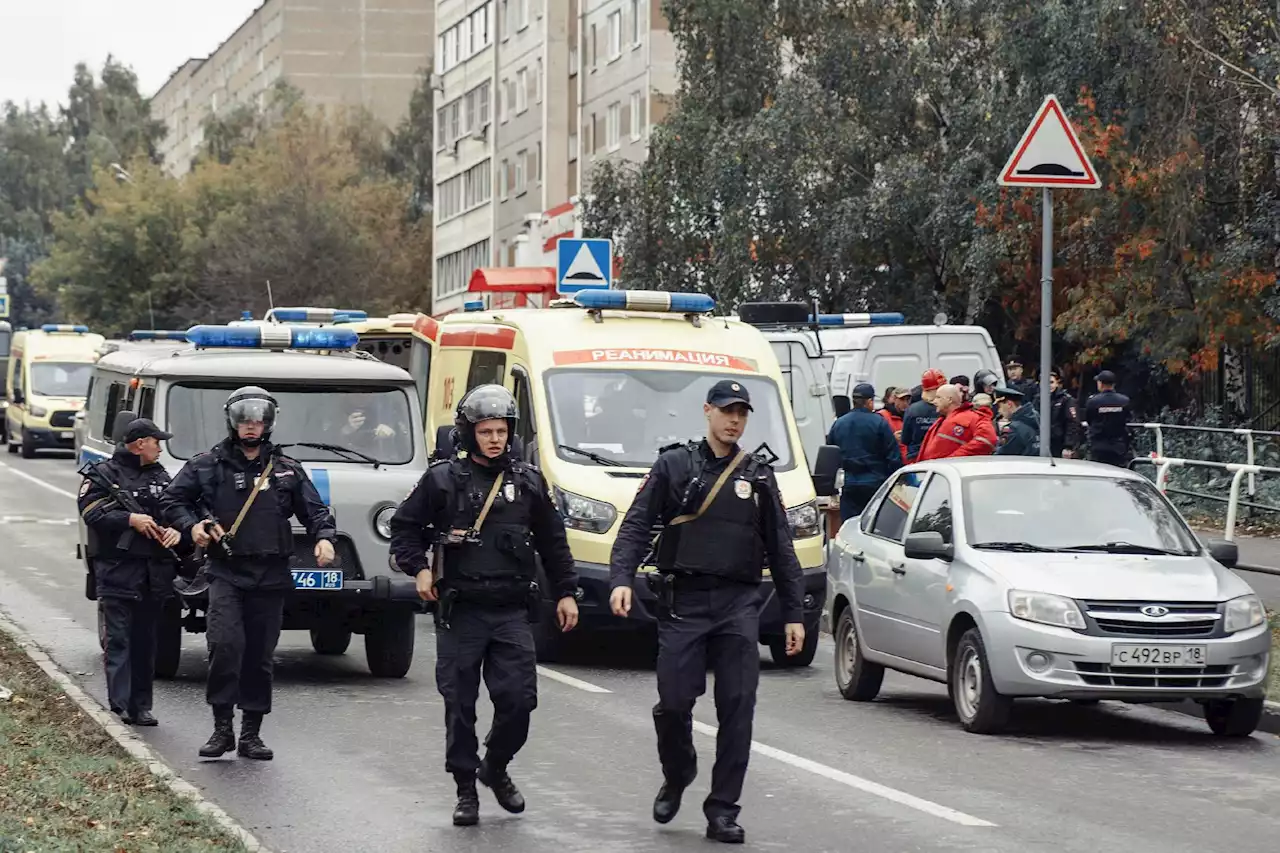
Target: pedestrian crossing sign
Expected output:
[583,265]
[4,305]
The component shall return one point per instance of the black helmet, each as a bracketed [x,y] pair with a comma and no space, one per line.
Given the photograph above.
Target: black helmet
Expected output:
[985,380]
[484,403]
[248,405]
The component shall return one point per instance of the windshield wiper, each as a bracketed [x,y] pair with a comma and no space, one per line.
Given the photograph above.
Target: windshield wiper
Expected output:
[1122,548]
[337,448]
[594,457]
[1024,547]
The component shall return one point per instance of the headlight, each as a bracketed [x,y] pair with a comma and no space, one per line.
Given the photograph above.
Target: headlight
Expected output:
[1046,609]
[37,411]
[1244,612]
[382,521]
[803,520]
[584,513]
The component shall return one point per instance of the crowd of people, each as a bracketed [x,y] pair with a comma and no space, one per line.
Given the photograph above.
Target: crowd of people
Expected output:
[941,418]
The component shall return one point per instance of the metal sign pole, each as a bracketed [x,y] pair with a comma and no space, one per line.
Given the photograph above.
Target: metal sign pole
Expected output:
[1046,320]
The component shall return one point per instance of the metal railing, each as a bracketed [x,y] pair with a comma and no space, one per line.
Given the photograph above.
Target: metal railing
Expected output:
[1249,435]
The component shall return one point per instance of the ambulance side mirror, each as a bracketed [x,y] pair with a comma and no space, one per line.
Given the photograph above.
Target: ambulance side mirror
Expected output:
[824,470]
[841,405]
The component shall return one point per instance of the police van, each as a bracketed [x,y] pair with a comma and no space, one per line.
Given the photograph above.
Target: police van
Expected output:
[48,380]
[602,383]
[6,339]
[823,356]
[366,453]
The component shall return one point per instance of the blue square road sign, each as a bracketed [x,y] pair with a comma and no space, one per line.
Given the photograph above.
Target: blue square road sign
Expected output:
[583,265]
[4,305]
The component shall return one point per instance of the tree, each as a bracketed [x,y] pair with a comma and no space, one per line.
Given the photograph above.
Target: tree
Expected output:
[410,150]
[107,121]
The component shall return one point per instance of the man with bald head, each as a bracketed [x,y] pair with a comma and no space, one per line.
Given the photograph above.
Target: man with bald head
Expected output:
[961,431]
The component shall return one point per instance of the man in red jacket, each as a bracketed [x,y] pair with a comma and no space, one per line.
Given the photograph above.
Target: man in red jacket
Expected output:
[961,431]
[896,401]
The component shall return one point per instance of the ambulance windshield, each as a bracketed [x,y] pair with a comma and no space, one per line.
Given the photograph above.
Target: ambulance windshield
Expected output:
[56,379]
[626,416]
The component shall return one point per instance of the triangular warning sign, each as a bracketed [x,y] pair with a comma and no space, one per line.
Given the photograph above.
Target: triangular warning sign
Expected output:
[584,269]
[1049,154]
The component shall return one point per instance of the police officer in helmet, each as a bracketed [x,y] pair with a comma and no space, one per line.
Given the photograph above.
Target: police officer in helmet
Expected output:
[236,501]
[486,517]
[722,517]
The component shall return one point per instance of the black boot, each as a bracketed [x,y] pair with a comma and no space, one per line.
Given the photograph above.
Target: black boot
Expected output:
[725,830]
[495,777]
[467,811]
[223,739]
[667,803]
[251,745]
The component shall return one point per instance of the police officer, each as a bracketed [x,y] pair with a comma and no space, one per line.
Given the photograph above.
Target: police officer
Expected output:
[484,515]
[722,517]
[133,566]
[1107,416]
[869,449]
[1013,372]
[1064,419]
[236,501]
[1020,435]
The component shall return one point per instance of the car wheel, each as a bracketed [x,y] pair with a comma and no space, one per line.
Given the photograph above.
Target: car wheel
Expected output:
[980,707]
[169,639]
[28,449]
[388,644]
[1233,717]
[330,640]
[13,446]
[857,678]
[778,651]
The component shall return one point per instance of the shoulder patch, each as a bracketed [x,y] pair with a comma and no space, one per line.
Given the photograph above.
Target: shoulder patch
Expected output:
[958,429]
[644,481]
[84,488]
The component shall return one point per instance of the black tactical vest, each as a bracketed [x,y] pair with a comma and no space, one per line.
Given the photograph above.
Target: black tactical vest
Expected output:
[265,531]
[725,541]
[499,567]
[146,486]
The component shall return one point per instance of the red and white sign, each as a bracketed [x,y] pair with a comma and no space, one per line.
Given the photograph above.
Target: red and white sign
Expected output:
[654,356]
[1049,154]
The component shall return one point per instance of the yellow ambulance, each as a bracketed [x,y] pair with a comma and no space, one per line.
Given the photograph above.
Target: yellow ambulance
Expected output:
[602,383]
[49,370]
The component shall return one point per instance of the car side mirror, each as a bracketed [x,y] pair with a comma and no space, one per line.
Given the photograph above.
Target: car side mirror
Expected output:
[121,424]
[18,398]
[841,405]
[824,470]
[1225,552]
[928,546]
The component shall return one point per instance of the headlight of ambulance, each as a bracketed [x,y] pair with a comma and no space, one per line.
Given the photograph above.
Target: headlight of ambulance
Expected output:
[1243,613]
[803,520]
[382,521]
[584,513]
[1046,609]
[37,411]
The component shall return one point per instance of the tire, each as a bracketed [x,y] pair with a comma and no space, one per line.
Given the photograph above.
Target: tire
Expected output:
[1233,717]
[388,644]
[981,709]
[330,640]
[857,678]
[28,449]
[169,640]
[778,650]
[13,448]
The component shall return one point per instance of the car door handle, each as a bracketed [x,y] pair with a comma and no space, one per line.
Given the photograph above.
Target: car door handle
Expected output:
[898,568]
[858,557]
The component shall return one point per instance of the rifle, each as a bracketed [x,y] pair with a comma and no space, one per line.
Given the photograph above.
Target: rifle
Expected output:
[121,497]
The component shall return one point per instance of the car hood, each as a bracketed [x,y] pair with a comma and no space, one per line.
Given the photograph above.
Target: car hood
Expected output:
[1116,577]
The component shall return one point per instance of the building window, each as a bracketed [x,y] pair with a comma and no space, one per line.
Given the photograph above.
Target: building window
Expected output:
[466,48]
[453,271]
[637,116]
[504,180]
[635,23]
[477,185]
[613,126]
[455,120]
[573,61]
[521,173]
[448,200]
[505,100]
[506,19]
[537,81]
[573,147]
[595,56]
[535,164]
[464,39]
[522,90]
[442,129]
[615,35]
[480,27]
[589,136]
[522,18]
[483,98]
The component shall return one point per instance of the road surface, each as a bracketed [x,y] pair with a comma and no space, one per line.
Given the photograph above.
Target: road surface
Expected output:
[359,761]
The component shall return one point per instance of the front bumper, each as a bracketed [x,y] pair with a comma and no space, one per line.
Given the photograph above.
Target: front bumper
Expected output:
[45,438]
[1079,666]
[594,613]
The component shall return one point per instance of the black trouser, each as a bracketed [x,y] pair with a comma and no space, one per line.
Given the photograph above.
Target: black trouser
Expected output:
[497,642]
[1110,456]
[854,499]
[244,627]
[720,625]
[129,651]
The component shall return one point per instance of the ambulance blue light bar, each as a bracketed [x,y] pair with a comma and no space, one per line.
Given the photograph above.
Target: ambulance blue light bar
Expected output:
[316,315]
[886,318]
[272,337]
[64,327]
[156,335]
[646,300]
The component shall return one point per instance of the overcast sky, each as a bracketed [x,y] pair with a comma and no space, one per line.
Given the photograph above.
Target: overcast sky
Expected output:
[42,40]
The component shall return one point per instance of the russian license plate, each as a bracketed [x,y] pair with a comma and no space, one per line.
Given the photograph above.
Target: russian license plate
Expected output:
[66,435]
[316,579]
[1162,655]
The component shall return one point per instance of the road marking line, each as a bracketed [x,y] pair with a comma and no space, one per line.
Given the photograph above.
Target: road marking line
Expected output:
[24,475]
[571,681]
[865,785]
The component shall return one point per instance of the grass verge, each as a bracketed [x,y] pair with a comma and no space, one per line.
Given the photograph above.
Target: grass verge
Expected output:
[66,785]
[1273,692]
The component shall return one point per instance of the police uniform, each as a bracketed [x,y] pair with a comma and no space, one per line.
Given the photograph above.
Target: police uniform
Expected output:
[133,573]
[921,414]
[1020,435]
[1107,414]
[1064,423]
[486,579]
[715,562]
[247,588]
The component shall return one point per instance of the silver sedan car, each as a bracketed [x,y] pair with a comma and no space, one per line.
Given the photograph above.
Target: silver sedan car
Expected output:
[1008,577]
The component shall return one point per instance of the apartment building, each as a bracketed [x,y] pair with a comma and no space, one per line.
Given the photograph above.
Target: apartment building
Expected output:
[569,84]
[367,53]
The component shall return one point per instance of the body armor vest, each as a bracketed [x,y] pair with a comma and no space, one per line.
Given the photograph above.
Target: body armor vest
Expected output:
[500,562]
[725,541]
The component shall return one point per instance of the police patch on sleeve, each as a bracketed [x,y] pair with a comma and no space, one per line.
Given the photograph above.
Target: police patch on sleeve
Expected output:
[84,488]
[742,489]
[643,481]
[509,492]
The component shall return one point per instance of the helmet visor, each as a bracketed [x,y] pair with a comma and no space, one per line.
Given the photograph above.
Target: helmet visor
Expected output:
[251,411]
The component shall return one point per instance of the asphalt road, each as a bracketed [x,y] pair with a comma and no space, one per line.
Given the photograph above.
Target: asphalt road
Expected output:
[359,761]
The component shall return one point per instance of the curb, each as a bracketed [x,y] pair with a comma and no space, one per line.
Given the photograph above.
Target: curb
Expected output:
[129,741]
[1270,723]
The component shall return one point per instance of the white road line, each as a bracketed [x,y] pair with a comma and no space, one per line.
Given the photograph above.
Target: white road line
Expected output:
[24,475]
[864,785]
[571,681]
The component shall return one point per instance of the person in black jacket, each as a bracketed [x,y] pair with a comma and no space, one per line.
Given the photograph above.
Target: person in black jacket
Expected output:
[484,517]
[921,414]
[133,565]
[1107,416]
[1020,435]
[1064,423]
[710,559]
[868,448]
[249,572]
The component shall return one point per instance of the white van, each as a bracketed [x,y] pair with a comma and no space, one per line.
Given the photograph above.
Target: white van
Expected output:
[826,355]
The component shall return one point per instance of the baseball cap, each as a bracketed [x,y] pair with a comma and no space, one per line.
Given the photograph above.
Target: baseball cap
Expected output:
[144,428]
[726,392]
[864,391]
[1106,376]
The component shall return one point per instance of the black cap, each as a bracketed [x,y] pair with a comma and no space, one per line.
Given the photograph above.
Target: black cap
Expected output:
[864,391]
[144,428]
[1004,393]
[726,392]
[959,380]
[1013,362]
[1106,377]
